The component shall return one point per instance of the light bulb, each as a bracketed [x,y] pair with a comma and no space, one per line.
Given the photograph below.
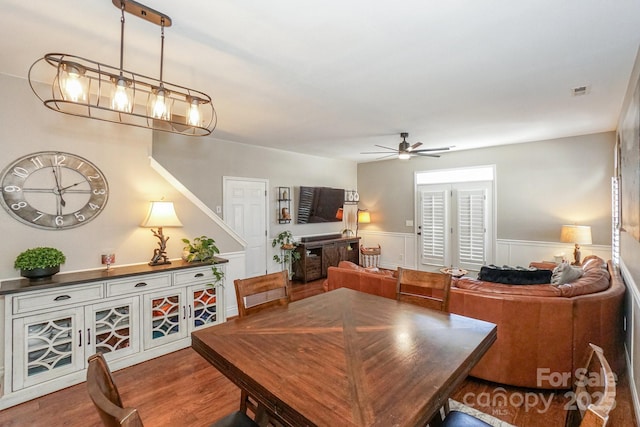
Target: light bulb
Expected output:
[193,115]
[160,108]
[120,100]
[72,83]
[404,156]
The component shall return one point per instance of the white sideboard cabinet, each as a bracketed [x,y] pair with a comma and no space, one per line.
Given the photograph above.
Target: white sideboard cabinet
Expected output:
[130,314]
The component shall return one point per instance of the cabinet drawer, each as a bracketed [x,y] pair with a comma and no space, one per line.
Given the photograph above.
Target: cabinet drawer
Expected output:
[193,275]
[57,298]
[138,284]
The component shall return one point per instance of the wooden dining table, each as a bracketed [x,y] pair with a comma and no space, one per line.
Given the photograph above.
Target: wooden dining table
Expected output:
[347,358]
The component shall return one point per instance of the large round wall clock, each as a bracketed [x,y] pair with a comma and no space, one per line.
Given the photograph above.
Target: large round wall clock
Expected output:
[53,190]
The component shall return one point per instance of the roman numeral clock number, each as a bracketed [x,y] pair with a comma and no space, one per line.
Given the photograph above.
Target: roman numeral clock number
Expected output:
[53,190]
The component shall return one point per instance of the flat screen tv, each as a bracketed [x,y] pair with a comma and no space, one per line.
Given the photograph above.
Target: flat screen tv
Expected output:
[319,204]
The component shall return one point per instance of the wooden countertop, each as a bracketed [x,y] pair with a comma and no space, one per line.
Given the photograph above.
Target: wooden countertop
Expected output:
[68,279]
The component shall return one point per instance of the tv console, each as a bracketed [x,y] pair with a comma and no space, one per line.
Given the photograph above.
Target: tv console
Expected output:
[318,253]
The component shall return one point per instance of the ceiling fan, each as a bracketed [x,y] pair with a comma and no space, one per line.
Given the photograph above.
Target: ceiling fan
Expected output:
[406,151]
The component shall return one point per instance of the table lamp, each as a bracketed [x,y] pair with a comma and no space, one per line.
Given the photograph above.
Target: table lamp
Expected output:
[161,214]
[578,234]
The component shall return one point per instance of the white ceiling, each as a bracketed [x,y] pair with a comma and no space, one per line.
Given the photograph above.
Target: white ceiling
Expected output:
[333,78]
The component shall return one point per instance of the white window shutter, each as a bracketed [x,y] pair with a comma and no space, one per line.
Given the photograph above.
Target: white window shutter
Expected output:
[472,229]
[434,221]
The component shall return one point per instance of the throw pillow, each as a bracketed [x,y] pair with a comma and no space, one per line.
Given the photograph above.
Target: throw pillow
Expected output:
[514,275]
[565,273]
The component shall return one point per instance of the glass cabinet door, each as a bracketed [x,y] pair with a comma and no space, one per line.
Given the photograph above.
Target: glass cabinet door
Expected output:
[114,328]
[47,346]
[203,306]
[165,316]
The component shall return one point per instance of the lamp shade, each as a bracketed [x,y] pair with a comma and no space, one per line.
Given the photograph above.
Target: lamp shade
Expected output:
[364,217]
[580,234]
[161,214]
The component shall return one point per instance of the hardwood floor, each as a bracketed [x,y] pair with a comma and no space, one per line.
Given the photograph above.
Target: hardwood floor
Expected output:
[182,389]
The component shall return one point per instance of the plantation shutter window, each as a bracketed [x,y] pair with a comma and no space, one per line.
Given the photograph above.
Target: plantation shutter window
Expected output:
[471,227]
[434,226]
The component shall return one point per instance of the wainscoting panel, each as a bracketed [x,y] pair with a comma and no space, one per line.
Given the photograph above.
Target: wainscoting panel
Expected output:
[630,271]
[234,269]
[397,249]
[522,252]
[400,250]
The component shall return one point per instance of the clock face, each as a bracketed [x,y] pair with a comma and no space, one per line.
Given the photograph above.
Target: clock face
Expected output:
[53,190]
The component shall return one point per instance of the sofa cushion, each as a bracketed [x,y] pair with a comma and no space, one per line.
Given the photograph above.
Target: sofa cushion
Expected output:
[565,273]
[514,275]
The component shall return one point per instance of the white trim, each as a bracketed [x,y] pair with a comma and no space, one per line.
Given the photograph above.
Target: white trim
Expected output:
[196,201]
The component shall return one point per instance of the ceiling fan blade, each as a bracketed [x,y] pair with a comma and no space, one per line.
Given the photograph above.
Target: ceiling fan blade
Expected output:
[414,146]
[424,154]
[378,152]
[432,149]
[386,157]
[386,148]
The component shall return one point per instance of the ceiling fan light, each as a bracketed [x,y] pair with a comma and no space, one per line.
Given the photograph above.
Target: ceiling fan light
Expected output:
[404,156]
[73,85]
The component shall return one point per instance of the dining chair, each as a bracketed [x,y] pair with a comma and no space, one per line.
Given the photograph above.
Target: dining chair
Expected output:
[257,293]
[424,288]
[253,295]
[106,398]
[595,382]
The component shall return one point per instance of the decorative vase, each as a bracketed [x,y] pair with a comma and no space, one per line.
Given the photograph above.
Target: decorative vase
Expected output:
[40,273]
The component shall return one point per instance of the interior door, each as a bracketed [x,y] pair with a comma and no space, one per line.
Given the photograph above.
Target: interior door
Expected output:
[245,211]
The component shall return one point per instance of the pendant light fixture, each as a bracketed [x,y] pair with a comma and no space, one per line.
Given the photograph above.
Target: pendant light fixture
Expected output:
[86,88]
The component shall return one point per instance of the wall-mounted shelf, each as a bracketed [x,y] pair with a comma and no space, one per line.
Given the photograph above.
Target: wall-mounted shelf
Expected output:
[351,197]
[284,205]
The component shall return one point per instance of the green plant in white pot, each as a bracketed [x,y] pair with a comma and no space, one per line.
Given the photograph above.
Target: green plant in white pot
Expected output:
[39,263]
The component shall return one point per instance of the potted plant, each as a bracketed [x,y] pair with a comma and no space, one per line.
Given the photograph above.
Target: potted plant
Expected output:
[203,249]
[288,255]
[39,263]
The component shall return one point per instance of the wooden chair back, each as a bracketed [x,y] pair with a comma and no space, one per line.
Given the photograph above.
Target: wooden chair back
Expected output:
[255,294]
[417,287]
[105,396]
[595,392]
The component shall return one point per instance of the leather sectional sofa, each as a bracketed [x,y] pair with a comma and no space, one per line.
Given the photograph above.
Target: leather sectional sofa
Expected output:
[543,330]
